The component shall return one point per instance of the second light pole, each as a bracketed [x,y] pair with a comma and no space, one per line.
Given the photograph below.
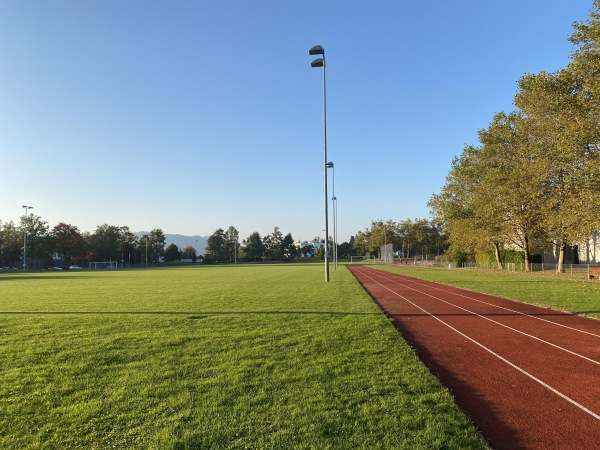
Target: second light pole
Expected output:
[331,166]
[26,208]
[320,62]
[146,236]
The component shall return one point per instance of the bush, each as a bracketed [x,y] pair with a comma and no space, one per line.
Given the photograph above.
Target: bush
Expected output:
[441,258]
[459,257]
[538,258]
[506,256]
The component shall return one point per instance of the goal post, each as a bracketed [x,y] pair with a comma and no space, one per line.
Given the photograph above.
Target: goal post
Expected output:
[364,259]
[356,259]
[101,265]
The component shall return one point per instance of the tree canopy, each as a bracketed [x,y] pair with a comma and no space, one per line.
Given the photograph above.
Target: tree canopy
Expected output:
[533,181]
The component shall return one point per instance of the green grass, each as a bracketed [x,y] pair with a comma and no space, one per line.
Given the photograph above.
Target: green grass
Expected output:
[212,357]
[578,297]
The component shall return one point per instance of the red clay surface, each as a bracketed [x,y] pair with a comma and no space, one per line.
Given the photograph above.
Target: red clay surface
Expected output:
[529,377]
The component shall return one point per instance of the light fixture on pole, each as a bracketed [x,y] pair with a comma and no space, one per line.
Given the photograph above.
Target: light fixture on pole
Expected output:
[320,62]
[25,237]
[331,166]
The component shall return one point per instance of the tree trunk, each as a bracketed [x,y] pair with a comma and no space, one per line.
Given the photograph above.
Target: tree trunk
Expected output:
[497,252]
[527,255]
[561,257]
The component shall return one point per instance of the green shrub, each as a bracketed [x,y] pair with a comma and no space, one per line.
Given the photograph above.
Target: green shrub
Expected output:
[506,256]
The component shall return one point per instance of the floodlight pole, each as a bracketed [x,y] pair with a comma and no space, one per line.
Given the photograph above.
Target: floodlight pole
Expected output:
[335,235]
[25,238]
[331,166]
[146,236]
[320,62]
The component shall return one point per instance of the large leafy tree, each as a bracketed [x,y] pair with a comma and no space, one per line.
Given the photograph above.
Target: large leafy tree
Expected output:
[151,246]
[68,242]
[189,252]
[128,245]
[361,242]
[346,249]
[461,213]
[560,134]
[510,193]
[172,253]
[232,237]
[252,247]
[217,248]
[289,248]
[157,244]
[273,244]
[585,61]
[383,233]
[103,243]
[11,244]
[492,194]
[145,249]
[39,242]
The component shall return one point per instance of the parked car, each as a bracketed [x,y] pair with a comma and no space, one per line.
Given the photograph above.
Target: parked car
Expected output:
[74,267]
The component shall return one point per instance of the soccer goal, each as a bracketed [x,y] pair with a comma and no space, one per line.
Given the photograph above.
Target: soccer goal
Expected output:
[364,259]
[100,265]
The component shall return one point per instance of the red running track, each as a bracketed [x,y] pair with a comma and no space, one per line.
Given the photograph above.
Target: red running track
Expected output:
[529,377]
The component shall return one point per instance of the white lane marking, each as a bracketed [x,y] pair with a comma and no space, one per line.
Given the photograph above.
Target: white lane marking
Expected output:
[514,366]
[498,323]
[501,307]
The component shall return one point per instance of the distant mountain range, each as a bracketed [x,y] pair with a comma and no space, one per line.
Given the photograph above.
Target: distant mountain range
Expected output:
[181,241]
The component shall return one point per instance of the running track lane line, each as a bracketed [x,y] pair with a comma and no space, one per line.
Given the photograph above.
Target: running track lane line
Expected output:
[501,358]
[503,307]
[494,321]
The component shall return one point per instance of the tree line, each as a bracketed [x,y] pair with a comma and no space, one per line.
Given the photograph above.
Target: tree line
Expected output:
[533,182]
[120,244]
[411,238]
[225,245]
[106,243]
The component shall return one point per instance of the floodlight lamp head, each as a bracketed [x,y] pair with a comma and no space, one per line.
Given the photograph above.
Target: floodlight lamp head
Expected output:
[317,50]
[319,62]
[330,165]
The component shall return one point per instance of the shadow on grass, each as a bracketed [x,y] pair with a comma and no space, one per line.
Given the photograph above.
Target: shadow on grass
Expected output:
[587,312]
[43,277]
[191,314]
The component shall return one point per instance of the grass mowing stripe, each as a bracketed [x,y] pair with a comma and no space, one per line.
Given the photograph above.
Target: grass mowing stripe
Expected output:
[212,357]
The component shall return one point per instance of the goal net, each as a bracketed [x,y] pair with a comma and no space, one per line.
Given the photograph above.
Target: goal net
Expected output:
[96,265]
[387,253]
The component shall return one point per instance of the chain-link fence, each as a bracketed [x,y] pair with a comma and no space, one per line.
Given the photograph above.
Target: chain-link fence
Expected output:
[575,271]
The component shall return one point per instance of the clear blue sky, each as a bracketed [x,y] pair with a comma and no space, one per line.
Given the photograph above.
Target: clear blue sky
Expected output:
[194,115]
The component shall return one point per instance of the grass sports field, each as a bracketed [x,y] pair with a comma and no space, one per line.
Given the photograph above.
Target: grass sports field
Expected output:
[228,357]
[212,357]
